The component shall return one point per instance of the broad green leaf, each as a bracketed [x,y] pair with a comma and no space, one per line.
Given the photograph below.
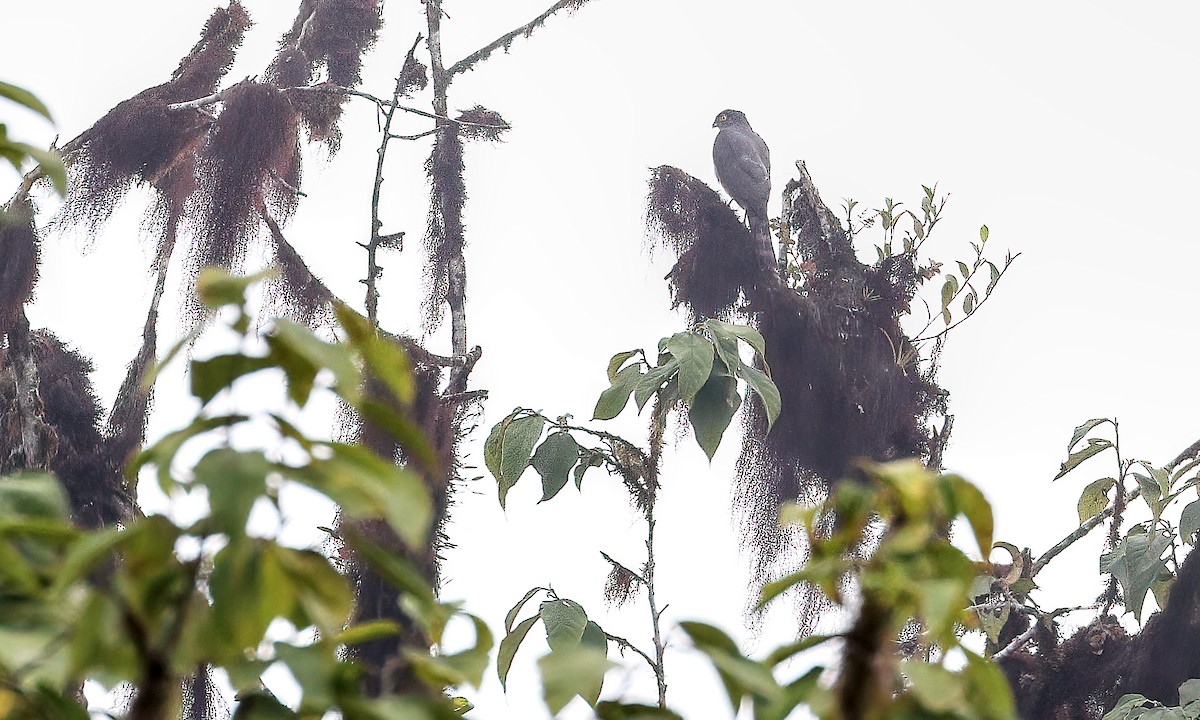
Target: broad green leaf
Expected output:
[565,621]
[969,303]
[508,648]
[367,632]
[163,452]
[235,480]
[728,330]
[988,692]
[935,688]
[1094,498]
[712,410]
[367,486]
[741,675]
[589,461]
[614,365]
[1189,522]
[1094,447]
[301,353]
[1084,429]
[514,447]
[320,591]
[553,460]
[249,589]
[21,96]
[695,356]
[970,502]
[614,399]
[983,233]
[404,430]
[314,667]
[458,668]
[385,359]
[218,288]
[766,390]
[511,617]
[577,670]
[217,373]
[625,711]
[1189,694]
[1135,564]
[992,621]
[30,495]
[941,603]
[962,268]
[593,635]
[652,381]
[262,706]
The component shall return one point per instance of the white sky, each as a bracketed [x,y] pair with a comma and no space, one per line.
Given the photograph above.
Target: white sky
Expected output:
[1067,127]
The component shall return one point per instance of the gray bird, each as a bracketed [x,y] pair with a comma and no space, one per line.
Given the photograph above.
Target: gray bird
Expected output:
[743,165]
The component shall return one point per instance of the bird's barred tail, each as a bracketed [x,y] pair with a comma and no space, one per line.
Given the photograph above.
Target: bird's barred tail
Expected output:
[761,229]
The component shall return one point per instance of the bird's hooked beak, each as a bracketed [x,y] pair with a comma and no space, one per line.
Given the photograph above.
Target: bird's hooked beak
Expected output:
[714,123]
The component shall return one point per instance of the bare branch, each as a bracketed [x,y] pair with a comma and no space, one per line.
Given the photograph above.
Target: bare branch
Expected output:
[1017,643]
[506,40]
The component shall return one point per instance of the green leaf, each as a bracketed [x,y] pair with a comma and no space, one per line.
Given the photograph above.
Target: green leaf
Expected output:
[614,399]
[396,570]
[163,452]
[1189,694]
[652,381]
[751,336]
[994,277]
[30,495]
[320,591]
[992,621]
[983,233]
[367,486]
[511,450]
[1094,498]
[577,670]
[712,410]
[301,354]
[458,668]
[385,359]
[508,648]
[249,589]
[262,706]
[970,502]
[962,268]
[553,460]
[766,390]
[235,480]
[1094,447]
[217,287]
[511,617]
[565,621]
[935,688]
[948,291]
[988,693]
[366,632]
[21,96]
[617,361]
[740,675]
[1084,429]
[215,374]
[1189,522]
[1135,564]
[969,303]
[626,711]
[695,356]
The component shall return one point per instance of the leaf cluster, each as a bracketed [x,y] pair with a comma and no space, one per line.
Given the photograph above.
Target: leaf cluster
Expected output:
[135,604]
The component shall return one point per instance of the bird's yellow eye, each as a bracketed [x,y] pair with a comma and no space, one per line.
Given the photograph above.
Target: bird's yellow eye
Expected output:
[723,117]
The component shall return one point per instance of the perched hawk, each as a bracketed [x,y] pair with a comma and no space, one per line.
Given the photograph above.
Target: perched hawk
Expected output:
[743,165]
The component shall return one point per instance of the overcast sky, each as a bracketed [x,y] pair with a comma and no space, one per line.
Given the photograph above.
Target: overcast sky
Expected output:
[1069,128]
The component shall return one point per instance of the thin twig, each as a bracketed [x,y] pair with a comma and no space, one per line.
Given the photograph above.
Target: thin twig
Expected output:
[1017,643]
[630,646]
[506,39]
